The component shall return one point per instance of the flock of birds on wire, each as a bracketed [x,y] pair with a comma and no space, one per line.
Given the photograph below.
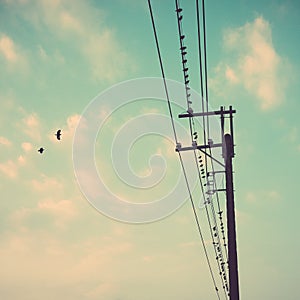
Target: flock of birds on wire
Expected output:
[58,137]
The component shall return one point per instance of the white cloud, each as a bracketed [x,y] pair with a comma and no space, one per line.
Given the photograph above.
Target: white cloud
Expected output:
[262,196]
[60,211]
[105,56]
[231,75]
[31,126]
[72,123]
[254,63]
[81,26]
[9,168]
[42,52]
[21,160]
[274,195]
[7,48]
[86,270]
[68,21]
[47,184]
[4,141]
[12,53]
[27,147]
[63,210]
[67,131]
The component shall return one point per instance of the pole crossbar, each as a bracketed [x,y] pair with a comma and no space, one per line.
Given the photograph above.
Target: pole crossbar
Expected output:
[209,113]
[200,147]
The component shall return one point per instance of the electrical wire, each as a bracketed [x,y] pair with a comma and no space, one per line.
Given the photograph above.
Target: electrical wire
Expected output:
[181,161]
[162,70]
[198,226]
[217,249]
[204,81]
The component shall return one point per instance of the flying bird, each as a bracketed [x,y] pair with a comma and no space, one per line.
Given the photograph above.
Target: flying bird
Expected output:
[41,150]
[58,134]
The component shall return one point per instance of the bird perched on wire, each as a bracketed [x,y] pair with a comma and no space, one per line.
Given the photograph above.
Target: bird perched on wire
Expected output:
[58,134]
[41,150]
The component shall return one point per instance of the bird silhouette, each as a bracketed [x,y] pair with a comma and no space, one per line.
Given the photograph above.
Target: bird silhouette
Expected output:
[58,134]
[41,150]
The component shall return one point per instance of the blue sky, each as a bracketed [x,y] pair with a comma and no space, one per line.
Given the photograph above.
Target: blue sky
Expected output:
[55,57]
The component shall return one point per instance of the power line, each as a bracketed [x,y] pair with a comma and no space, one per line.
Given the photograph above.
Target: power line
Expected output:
[194,136]
[205,61]
[181,161]
[200,70]
[198,226]
[162,70]
[217,245]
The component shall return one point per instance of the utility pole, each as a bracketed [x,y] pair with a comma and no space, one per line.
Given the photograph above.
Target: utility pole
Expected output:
[231,232]
[227,145]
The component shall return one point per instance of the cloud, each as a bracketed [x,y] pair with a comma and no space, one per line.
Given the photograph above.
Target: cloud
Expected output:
[31,126]
[262,196]
[27,147]
[41,265]
[274,196]
[4,141]
[231,75]
[47,184]
[63,210]
[68,130]
[12,53]
[42,53]
[7,48]
[68,21]
[9,169]
[21,160]
[105,56]
[82,27]
[253,63]
[53,212]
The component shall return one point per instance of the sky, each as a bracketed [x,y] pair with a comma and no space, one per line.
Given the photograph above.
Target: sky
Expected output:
[85,65]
